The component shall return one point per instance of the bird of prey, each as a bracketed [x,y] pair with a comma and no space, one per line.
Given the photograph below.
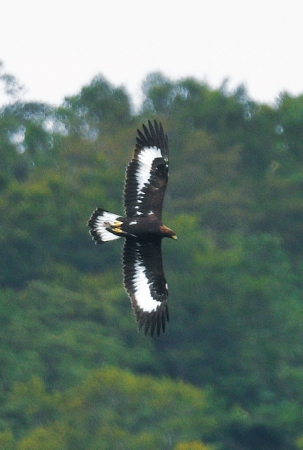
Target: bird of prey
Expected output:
[142,227]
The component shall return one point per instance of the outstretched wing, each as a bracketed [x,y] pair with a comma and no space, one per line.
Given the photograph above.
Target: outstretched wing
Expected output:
[147,173]
[145,283]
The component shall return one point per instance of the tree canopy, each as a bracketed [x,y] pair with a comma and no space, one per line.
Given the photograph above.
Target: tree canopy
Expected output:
[228,374]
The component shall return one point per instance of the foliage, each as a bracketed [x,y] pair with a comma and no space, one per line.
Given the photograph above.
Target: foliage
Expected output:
[74,372]
[195,445]
[111,408]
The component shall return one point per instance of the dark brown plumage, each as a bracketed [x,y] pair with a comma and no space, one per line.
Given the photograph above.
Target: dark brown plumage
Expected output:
[142,228]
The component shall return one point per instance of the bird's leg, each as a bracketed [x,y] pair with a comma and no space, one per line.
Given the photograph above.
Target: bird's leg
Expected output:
[115,227]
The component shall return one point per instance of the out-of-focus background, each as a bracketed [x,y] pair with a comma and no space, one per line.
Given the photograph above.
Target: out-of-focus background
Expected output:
[56,47]
[77,79]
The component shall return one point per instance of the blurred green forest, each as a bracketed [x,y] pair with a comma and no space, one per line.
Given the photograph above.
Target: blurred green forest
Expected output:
[228,374]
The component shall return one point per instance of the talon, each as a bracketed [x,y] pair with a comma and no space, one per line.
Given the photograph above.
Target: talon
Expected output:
[116,224]
[117,230]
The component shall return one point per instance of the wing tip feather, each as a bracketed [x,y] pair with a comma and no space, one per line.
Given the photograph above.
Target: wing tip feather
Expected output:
[153,135]
[154,321]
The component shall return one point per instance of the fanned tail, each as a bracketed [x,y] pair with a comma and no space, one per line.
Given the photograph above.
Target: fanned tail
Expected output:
[100,223]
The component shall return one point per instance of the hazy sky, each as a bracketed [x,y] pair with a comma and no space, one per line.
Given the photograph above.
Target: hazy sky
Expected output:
[54,47]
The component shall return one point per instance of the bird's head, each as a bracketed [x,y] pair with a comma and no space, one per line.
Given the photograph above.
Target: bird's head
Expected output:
[167,232]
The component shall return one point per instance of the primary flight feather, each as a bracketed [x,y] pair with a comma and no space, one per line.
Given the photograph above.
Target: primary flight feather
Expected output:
[145,184]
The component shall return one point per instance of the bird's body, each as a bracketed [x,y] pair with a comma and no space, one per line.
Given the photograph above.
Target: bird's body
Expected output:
[142,228]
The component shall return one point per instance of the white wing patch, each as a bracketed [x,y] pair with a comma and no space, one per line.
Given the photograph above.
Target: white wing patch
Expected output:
[102,222]
[146,158]
[142,291]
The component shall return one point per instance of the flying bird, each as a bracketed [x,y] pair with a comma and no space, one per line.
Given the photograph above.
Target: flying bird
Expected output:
[142,227]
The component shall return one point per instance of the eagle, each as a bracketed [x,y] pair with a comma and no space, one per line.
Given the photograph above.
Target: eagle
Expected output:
[142,227]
